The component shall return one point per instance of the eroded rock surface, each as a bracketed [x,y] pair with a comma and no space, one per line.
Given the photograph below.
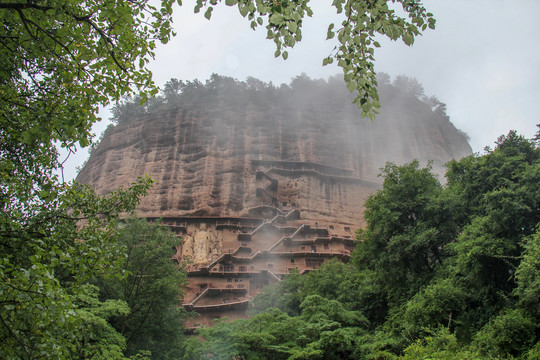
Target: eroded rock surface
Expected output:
[204,157]
[260,182]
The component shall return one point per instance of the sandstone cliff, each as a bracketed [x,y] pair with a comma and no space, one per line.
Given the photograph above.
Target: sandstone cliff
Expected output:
[204,148]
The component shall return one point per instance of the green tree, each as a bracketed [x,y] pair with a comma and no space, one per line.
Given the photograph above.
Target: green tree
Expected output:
[152,289]
[99,339]
[440,345]
[50,247]
[437,305]
[325,329]
[331,328]
[334,280]
[285,296]
[408,224]
[528,277]
[502,184]
[269,335]
[509,334]
[59,61]
[499,209]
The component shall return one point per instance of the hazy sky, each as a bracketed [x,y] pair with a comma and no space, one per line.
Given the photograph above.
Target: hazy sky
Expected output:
[482,60]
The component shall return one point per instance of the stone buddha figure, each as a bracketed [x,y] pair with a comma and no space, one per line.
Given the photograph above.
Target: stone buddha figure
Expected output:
[187,247]
[201,246]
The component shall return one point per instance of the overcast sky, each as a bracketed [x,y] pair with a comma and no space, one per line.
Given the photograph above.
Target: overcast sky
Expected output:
[482,60]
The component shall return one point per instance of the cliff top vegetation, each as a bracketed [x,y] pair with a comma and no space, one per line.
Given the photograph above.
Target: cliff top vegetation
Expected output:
[302,91]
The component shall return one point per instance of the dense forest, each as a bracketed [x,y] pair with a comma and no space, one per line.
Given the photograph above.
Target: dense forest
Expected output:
[302,92]
[440,272]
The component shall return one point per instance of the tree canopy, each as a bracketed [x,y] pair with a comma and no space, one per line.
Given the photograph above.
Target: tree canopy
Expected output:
[59,62]
[300,93]
[51,246]
[152,290]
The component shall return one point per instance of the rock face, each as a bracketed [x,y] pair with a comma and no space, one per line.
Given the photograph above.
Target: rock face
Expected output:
[259,180]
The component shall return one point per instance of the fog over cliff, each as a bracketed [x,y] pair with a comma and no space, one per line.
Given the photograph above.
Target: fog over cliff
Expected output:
[201,142]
